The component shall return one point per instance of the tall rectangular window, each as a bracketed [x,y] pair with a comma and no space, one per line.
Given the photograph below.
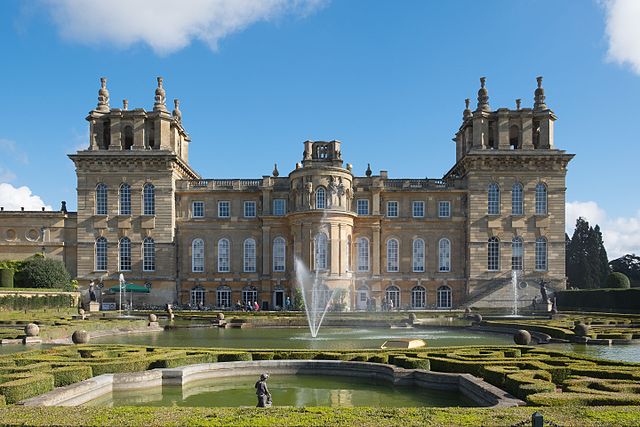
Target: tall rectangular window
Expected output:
[392,209]
[393,263]
[101,199]
[125,199]
[149,199]
[362,207]
[224,209]
[362,247]
[418,209]
[249,209]
[444,209]
[148,254]
[197,209]
[279,207]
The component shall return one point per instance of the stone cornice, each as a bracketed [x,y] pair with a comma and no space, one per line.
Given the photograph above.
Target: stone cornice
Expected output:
[510,160]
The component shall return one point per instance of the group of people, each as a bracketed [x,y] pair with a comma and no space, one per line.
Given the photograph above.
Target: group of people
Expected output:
[247,306]
[387,304]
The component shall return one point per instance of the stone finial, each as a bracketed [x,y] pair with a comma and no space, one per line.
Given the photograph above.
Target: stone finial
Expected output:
[368,171]
[125,104]
[538,99]
[483,96]
[275,170]
[467,112]
[160,98]
[176,113]
[518,101]
[103,96]
[63,207]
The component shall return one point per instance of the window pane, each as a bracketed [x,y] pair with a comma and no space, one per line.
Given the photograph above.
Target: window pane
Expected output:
[223,255]
[224,209]
[149,200]
[418,209]
[279,254]
[444,209]
[101,254]
[148,255]
[101,199]
[197,210]
[541,254]
[493,197]
[444,255]
[320,251]
[363,253]
[541,199]
[320,198]
[249,255]
[517,254]
[392,255]
[249,209]
[363,207]
[279,207]
[392,209]
[493,254]
[125,254]
[517,203]
[125,199]
[197,256]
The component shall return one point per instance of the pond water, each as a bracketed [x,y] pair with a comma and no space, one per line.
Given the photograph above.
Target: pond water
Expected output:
[300,338]
[286,390]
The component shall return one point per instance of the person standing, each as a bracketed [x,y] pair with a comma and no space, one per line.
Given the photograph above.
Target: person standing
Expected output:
[262,391]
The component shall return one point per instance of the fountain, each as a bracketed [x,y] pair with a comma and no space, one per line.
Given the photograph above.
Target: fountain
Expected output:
[315,295]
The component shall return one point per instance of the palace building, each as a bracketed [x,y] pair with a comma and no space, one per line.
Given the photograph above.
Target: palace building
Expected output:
[422,243]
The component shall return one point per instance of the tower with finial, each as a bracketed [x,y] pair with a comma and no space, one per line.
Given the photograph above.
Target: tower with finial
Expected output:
[515,183]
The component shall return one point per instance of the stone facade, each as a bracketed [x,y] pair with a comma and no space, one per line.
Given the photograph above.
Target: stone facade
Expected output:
[423,243]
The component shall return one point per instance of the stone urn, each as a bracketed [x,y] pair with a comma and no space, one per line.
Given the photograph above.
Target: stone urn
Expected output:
[153,318]
[80,337]
[522,337]
[32,330]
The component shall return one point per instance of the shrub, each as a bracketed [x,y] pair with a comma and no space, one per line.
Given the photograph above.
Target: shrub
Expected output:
[617,280]
[600,299]
[40,272]
[117,366]
[234,357]
[25,387]
[379,358]
[71,374]
[327,355]
[6,277]
[262,355]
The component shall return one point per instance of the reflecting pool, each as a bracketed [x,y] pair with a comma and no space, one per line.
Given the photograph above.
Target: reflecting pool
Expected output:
[287,390]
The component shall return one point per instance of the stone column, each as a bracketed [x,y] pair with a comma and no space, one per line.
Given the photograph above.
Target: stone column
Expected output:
[138,132]
[527,129]
[266,250]
[93,142]
[375,259]
[334,236]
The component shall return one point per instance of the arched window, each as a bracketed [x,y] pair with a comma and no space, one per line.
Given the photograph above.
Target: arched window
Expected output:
[128,137]
[444,297]
[101,199]
[493,199]
[223,296]
[101,254]
[418,255]
[125,254]
[125,199]
[320,251]
[418,297]
[279,254]
[224,254]
[149,199]
[249,256]
[517,201]
[493,254]
[148,254]
[541,199]
[362,246]
[393,255]
[249,294]
[541,254]
[197,297]
[392,293]
[197,256]
[444,255]
[321,198]
[517,254]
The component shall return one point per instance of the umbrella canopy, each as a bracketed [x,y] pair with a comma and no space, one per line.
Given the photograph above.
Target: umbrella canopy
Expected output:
[130,287]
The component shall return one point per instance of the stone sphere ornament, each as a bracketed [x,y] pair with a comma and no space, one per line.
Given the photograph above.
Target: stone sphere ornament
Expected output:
[522,337]
[412,318]
[581,330]
[153,318]
[80,337]
[476,318]
[32,330]
[81,311]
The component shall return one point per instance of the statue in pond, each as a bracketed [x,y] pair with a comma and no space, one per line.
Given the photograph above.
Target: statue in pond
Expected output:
[543,292]
[262,391]
[92,292]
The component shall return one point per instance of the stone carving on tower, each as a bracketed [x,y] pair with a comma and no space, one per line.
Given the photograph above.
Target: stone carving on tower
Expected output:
[160,97]
[103,96]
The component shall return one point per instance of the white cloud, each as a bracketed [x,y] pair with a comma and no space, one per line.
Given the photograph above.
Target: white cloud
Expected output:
[621,235]
[623,32]
[166,25]
[13,198]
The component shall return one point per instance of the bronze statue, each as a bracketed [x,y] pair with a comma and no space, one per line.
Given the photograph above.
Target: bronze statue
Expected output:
[262,391]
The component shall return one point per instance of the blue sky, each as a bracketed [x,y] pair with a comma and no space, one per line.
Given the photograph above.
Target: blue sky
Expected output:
[388,78]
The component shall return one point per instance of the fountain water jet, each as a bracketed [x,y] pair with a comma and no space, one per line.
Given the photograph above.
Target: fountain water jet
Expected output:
[314,295]
[514,284]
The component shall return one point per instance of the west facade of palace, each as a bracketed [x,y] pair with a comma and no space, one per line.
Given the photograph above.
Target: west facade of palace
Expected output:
[422,243]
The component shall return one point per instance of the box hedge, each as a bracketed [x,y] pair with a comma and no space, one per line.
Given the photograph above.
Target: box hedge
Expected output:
[24,386]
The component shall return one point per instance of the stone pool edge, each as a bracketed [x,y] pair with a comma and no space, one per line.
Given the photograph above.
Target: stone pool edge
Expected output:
[476,389]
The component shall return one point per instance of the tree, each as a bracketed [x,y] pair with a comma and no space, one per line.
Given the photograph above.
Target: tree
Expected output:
[629,265]
[586,259]
[617,280]
[40,272]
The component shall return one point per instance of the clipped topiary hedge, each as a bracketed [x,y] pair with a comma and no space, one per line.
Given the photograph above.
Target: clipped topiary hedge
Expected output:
[599,299]
[617,281]
[23,386]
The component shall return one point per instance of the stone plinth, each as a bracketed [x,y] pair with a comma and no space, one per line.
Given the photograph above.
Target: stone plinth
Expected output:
[31,340]
[94,307]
